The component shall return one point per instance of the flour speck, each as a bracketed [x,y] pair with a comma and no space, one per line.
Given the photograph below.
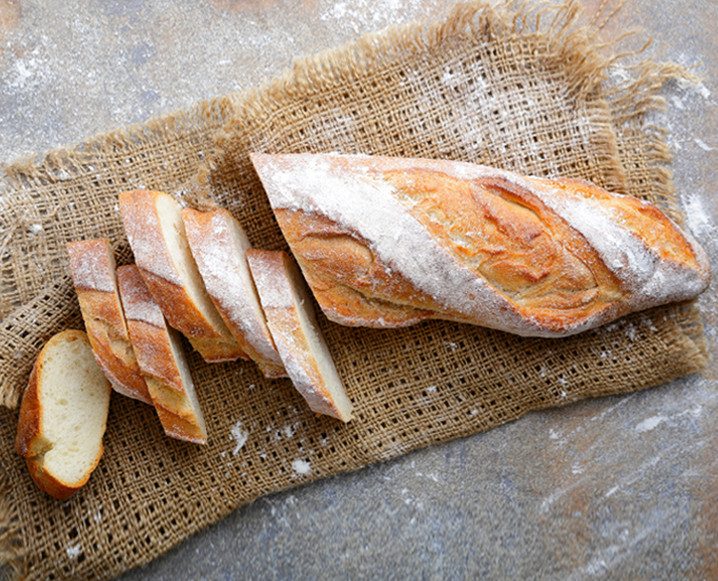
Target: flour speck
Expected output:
[73,551]
[649,424]
[239,435]
[301,467]
[703,145]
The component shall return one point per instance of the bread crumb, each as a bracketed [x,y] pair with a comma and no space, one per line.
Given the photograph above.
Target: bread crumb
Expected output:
[239,436]
[301,467]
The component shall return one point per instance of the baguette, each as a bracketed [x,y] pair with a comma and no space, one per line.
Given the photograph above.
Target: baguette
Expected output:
[389,242]
[154,228]
[63,415]
[294,328]
[219,247]
[161,359]
[92,265]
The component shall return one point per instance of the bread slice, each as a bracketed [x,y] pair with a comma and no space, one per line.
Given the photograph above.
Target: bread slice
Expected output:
[161,359]
[63,415]
[156,234]
[92,266]
[219,246]
[294,328]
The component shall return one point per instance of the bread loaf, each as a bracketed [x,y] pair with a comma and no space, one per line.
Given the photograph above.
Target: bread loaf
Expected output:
[294,328]
[63,415]
[161,359]
[92,265]
[154,228]
[219,246]
[389,242]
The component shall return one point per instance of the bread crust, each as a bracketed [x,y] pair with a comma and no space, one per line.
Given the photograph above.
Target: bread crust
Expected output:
[210,240]
[92,266]
[140,217]
[274,273]
[30,443]
[151,340]
[389,242]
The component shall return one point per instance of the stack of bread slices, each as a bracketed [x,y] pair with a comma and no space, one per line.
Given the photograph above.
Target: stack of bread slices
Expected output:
[195,274]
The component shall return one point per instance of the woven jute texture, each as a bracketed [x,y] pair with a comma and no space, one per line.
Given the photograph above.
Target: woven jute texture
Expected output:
[488,85]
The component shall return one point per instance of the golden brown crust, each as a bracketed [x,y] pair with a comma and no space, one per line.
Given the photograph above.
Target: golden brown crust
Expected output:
[92,265]
[185,317]
[139,213]
[151,340]
[388,242]
[30,443]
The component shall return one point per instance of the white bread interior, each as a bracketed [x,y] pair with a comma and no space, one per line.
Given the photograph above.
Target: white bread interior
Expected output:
[292,322]
[74,402]
[190,392]
[170,217]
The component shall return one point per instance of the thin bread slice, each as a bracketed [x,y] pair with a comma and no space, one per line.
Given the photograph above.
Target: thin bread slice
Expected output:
[294,328]
[92,266]
[161,359]
[154,228]
[63,415]
[219,246]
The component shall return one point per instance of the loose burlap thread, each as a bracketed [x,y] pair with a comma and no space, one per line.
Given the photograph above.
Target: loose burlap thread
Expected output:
[488,85]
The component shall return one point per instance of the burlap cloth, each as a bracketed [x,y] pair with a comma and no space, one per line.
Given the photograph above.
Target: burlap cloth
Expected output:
[493,86]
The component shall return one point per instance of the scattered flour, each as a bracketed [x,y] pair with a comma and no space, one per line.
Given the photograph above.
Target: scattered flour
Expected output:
[73,551]
[289,430]
[431,389]
[698,217]
[451,345]
[301,467]
[649,424]
[703,145]
[35,229]
[631,332]
[240,436]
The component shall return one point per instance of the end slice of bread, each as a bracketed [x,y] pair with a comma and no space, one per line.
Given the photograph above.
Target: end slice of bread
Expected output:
[293,325]
[154,228]
[63,415]
[92,266]
[161,359]
[219,246]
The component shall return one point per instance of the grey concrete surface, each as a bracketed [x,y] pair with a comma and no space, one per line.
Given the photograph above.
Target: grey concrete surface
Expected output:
[611,488]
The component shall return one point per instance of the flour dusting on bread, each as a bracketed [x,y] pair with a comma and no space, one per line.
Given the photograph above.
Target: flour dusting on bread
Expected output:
[527,255]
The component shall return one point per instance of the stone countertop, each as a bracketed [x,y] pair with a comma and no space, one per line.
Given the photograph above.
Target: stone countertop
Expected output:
[618,487]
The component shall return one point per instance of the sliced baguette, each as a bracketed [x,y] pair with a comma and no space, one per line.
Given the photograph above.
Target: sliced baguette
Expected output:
[161,359]
[92,266]
[154,228]
[63,415]
[294,328]
[219,246]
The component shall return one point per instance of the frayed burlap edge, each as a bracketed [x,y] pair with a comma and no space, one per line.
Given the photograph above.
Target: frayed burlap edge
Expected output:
[568,42]
[571,42]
